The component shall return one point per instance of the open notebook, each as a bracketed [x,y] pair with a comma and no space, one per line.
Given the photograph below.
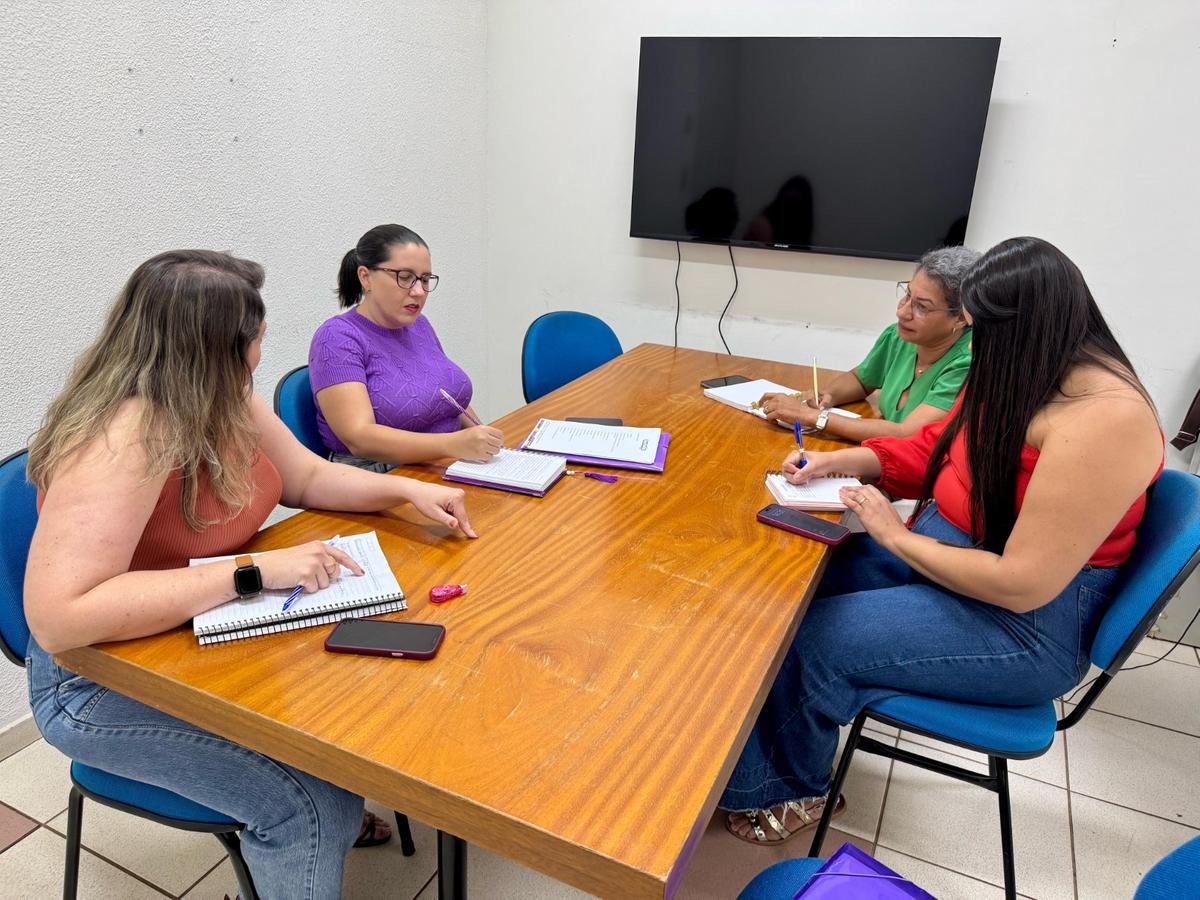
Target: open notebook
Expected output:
[617,446]
[372,593]
[745,396]
[820,494]
[511,470]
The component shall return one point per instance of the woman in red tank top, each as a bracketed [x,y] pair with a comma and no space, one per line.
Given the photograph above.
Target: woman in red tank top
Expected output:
[1030,494]
[157,451]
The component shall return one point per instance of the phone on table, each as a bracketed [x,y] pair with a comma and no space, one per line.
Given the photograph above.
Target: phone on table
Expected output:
[723,381]
[586,420]
[381,637]
[802,523]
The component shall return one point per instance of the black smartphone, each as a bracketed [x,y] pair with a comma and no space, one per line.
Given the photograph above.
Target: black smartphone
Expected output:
[588,421]
[381,637]
[723,381]
[802,523]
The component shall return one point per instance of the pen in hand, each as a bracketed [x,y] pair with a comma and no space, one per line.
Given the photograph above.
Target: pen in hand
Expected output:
[458,406]
[296,592]
[799,443]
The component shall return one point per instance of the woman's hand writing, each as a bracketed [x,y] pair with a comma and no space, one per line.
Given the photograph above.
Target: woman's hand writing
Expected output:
[312,566]
[817,464]
[477,444]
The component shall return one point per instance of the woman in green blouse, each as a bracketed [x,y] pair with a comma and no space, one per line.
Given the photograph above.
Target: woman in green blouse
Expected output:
[917,365]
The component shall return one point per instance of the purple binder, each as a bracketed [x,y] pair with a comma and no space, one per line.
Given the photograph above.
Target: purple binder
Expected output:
[510,489]
[851,874]
[660,458]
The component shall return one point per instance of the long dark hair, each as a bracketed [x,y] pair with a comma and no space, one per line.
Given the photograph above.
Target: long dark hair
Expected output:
[372,248]
[1034,320]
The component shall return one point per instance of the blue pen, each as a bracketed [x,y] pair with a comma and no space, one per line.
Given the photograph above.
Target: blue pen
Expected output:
[296,591]
[799,443]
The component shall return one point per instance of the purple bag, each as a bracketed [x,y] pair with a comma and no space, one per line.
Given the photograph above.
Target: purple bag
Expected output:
[852,875]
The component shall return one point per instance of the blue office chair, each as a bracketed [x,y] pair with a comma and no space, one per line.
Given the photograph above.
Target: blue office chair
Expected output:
[18,501]
[781,881]
[1166,552]
[561,346]
[1174,876]
[294,404]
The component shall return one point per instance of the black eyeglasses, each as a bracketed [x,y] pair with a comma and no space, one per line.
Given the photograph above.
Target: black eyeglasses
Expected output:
[406,278]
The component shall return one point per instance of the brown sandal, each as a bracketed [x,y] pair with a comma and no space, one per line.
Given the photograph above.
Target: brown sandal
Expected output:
[808,811]
[374,831]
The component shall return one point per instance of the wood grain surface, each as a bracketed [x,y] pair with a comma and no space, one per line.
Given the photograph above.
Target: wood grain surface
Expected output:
[595,685]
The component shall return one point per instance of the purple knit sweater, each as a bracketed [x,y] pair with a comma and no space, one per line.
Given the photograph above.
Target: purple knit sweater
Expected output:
[401,367]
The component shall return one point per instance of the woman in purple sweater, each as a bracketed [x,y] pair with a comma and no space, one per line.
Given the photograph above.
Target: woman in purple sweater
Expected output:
[377,370]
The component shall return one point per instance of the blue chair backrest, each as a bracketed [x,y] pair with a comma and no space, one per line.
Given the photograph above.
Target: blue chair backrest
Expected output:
[561,346]
[18,507]
[1166,552]
[294,404]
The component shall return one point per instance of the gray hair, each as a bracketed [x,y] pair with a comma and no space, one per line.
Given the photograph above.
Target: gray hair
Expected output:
[947,266]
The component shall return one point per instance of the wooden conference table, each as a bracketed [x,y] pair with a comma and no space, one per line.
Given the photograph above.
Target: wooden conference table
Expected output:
[596,684]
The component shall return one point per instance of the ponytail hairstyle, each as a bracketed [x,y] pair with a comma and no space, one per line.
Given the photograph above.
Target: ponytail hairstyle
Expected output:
[177,338]
[1034,320]
[373,248]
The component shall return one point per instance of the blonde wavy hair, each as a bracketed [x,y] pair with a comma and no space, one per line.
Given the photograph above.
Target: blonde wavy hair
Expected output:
[177,338]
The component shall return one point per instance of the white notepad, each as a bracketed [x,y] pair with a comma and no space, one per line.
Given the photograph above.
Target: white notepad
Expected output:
[616,442]
[740,396]
[511,470]
[375,591]
[818,494]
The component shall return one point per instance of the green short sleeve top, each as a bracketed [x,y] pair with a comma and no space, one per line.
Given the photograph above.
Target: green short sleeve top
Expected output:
[890,365]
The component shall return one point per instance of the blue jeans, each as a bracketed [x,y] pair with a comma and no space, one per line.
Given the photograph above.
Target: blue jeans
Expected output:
[877,628]
[298,828]
[360,462]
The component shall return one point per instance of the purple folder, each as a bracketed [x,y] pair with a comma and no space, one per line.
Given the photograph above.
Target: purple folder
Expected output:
[504,487]
[851,874]
[660,458]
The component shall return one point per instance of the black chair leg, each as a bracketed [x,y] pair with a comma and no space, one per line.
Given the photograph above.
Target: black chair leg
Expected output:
[836,787]
[407,847]
[233,846]
[74,835]
[999,771]
[452,867]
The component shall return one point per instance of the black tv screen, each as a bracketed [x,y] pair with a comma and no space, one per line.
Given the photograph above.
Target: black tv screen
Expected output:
[855,146]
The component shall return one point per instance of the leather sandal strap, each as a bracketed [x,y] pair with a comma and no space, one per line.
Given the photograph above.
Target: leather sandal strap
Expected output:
[780,830]
[759,834]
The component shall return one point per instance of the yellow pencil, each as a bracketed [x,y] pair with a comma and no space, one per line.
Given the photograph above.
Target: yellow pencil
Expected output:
[816,389]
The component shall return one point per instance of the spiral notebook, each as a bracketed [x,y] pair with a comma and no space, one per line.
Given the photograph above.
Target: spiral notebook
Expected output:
[511,470]
[374,592]
[818,494]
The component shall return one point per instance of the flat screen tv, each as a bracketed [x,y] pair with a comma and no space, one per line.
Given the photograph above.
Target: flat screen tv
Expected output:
[856,146]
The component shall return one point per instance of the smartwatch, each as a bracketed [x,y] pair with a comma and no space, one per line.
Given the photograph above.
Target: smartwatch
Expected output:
[822,418]
[247,579]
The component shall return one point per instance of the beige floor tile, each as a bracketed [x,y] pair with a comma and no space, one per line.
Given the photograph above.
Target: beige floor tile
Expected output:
[1114,847]
[1136,765]
[36,864]
[384,871]
[1050,767]
[941,883]
[1164,693]
[957,826]
[722,865]
[1182,654]
[493,876]
[216,885]
[36,781]
[168,857]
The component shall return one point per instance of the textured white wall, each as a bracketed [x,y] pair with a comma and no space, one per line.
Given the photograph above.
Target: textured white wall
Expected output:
[278,131]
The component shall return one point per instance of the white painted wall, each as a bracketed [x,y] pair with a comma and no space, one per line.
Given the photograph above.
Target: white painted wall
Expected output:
[1090,143]
[278,131]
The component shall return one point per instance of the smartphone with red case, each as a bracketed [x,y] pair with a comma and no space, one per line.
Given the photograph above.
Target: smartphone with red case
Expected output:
[382,637]
[802,523]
